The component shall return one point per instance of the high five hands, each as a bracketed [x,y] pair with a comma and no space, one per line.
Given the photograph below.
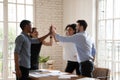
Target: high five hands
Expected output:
[52,30]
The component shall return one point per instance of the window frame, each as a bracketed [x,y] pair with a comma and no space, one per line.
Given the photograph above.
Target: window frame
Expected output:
[5,36]
[113,62]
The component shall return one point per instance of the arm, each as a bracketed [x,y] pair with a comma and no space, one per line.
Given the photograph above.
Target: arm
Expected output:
[43,37]
[66,39]
[18,45]
[16,58]
[17,69]
[48,43]
[62,38]
[55,39]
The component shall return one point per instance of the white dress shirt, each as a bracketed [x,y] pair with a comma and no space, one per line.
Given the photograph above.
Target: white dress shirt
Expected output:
[69,51]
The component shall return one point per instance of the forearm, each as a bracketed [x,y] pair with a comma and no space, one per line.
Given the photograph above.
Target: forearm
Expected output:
[51,42]
[48,43]
[43,37]
[64,39]
[55,39]
[16,58]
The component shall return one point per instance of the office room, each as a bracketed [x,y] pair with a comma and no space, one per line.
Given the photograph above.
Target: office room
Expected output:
[50,19]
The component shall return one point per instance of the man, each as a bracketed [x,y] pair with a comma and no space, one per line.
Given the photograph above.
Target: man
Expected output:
[83,44]
[22,50]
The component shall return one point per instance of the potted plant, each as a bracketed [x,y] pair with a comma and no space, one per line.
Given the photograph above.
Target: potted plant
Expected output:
[43,60]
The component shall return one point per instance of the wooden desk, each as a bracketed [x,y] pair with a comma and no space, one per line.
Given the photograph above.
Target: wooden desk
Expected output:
[56,78]
[45,78]
[52,77]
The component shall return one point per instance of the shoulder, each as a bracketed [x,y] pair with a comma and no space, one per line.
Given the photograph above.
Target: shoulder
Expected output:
[20,38]
[79,35]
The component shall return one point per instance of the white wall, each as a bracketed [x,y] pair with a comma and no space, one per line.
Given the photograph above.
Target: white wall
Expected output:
[79,9]
[49,12]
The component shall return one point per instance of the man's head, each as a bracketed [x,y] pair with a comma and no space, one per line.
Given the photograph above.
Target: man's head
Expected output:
[81,25]
[70,29]
[25,25]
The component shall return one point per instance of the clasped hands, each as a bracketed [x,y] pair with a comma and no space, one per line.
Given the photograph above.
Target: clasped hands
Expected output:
[52,30]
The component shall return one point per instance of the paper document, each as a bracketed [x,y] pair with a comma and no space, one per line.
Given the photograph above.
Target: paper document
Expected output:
[87,79]
[35,71]
[66,76]
[37,75]
[57,73]
[46,73]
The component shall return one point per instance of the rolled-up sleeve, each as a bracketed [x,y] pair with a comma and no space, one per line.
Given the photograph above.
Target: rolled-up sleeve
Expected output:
[18,44]
[65,39]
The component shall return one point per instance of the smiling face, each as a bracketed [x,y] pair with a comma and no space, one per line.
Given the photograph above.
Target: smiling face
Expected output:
[69,31]
[34,33]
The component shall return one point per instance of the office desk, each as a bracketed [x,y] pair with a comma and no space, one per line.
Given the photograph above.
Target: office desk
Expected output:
[45,78]
[56,75]
[53,78]
[56,78]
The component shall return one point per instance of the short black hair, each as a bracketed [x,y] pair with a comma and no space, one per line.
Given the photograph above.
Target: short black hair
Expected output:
[73,26]
[82,23]
[23,23]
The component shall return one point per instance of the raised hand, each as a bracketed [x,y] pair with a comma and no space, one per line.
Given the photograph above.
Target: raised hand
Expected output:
[53,30]
[50,30]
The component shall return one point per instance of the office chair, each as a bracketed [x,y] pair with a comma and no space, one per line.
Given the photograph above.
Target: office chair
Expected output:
[101,73]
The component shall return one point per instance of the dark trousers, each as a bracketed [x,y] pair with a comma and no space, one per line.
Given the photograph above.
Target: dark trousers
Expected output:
[71,66]
[86,68]
[25,73]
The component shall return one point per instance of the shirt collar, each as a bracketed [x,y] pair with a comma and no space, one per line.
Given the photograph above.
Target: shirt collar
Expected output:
[83,32]
[24,33]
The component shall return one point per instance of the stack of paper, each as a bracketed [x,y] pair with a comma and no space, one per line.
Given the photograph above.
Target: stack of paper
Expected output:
[54,73]
[35,71]
[87,79]
[66,76]
[45,73]
[37,75]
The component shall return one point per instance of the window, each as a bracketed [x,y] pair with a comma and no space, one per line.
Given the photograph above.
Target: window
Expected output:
[108,36]
[1,39]
[14,11]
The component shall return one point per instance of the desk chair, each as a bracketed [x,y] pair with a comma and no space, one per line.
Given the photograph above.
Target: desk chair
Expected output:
[101,73]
